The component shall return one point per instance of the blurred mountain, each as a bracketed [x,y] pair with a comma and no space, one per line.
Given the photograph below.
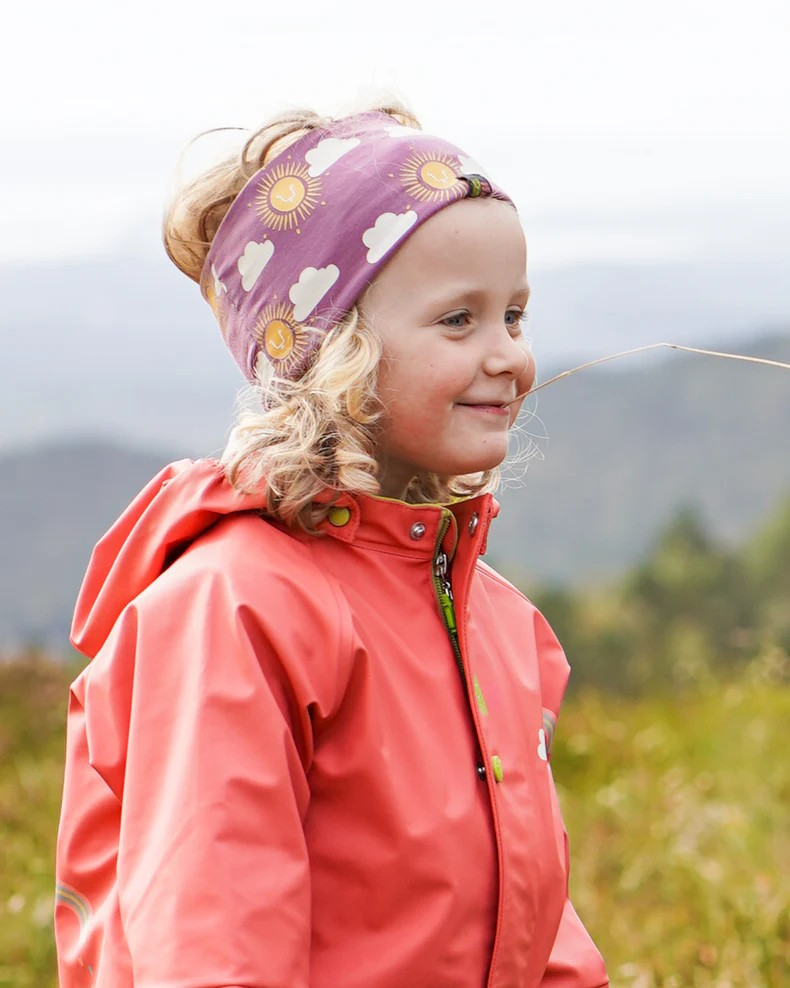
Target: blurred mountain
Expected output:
[55,502]
[627,447]
[125,347]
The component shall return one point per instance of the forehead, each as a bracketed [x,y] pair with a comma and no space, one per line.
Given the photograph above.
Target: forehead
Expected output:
[473,240]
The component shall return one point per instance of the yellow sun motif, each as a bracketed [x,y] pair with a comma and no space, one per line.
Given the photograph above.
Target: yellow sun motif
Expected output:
[429,175]
[280,335]
[287,195]
[278,339]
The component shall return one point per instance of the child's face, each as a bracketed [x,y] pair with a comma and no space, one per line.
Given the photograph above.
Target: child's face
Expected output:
[447,309]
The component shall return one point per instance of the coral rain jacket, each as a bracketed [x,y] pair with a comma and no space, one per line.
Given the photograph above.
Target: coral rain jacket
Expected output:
[284,770]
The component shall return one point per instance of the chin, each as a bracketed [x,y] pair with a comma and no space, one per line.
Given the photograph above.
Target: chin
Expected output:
[478,465]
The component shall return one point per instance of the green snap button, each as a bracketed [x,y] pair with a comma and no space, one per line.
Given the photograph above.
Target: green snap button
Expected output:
[339,517]
[482,706]
[496,765]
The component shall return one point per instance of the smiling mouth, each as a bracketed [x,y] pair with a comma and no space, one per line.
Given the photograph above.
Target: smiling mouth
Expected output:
[493,408]
[483,404]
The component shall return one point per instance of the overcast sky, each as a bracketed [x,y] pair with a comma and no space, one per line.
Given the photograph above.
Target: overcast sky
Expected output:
[623,129]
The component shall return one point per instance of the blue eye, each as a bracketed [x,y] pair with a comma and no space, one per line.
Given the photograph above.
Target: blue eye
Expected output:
[516,317]
[457,320]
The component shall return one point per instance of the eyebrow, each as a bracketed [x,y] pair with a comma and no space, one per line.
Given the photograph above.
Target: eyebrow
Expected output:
[470,294]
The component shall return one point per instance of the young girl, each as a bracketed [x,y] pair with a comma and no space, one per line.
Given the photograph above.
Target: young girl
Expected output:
[312,746]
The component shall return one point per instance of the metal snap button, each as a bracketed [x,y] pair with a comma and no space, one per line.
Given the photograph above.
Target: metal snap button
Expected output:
[473,523]
[481,770]
[417,531]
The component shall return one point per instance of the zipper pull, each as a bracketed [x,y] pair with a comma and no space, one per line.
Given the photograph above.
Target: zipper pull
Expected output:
[440,569]
[448,609]
[445,592]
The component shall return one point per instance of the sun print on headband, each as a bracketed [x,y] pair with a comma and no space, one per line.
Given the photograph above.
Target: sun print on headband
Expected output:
[287,195]
[430,176]
[281,337]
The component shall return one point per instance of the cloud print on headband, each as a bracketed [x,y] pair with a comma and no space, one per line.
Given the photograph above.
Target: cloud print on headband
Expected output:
[388,229]
[471,167]
[329,151]
[311,287]
[402,131]
[220,288]
[254,259]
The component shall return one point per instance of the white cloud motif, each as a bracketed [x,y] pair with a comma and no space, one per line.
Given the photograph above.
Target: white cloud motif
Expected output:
[254,259]
[220,288]
[264,370]
[311,287]
[471,167]
[386,232]
[399,131]
[327,152]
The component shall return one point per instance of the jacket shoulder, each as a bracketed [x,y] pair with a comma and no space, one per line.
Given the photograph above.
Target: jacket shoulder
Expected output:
[520,611]
[252,559]
[491,576]
[249,588]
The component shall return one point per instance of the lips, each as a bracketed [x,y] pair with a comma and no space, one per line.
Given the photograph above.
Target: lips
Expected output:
[496,409]
[499,403]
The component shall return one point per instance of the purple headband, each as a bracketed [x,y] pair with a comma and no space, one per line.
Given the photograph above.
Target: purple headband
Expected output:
[309,232]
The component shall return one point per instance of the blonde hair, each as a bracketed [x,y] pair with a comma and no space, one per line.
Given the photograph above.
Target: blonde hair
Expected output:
[300,438]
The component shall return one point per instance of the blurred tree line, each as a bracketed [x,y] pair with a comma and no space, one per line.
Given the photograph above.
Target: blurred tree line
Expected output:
[691,611]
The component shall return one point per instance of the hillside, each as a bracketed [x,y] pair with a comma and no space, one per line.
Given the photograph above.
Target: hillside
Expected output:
[125,344]
[55,502]
[626,447]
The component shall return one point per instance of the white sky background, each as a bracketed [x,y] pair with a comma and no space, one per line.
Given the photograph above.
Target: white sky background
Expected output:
[623,129]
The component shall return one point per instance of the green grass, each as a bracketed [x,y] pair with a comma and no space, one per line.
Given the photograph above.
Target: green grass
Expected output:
[678,813]
[679,819]
[33,698]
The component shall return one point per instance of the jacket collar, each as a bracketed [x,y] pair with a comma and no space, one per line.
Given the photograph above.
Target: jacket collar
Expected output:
[390,525]
[186,498]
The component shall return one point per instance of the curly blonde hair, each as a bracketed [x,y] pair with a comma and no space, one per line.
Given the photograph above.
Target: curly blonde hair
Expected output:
[304,438]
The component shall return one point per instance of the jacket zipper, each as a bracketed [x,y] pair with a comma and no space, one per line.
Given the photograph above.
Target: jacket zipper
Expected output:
[444,593]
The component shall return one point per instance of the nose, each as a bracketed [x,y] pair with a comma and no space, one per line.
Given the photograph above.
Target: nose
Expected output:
[511,356]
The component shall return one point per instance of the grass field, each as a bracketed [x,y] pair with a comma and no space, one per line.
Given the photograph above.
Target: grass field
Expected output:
[679,819]
[678,812]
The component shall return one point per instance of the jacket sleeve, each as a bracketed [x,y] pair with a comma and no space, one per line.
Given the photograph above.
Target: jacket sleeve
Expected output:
[206,742]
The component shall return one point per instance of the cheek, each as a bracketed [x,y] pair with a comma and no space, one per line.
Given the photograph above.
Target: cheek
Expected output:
[524,383]
[527,377]
[406,415]
[413,384]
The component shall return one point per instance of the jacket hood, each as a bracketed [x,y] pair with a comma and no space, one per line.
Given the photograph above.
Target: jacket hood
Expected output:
[181,502]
